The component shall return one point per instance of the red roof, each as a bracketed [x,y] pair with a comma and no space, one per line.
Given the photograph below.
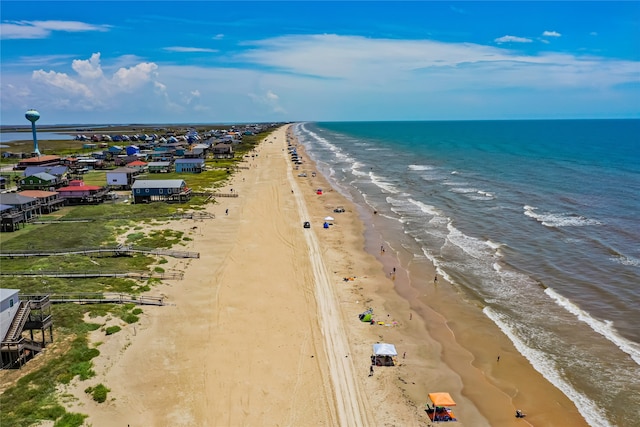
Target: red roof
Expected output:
[77,185]
[137,163]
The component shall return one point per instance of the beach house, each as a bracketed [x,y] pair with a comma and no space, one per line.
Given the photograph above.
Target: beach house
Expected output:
[48,160]
[77,192]
[47,201]
[159,167]
[161,190]
[17,209]
[223,151]
[40,181]
[16,316]
[189,165]
[121,178]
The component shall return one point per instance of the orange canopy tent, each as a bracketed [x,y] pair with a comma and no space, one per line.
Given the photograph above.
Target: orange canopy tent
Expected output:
[440,403]
[441,399]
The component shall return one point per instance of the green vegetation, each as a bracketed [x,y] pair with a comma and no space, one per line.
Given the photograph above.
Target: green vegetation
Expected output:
[70,420]
[33,397]
[112,330]
[99,393]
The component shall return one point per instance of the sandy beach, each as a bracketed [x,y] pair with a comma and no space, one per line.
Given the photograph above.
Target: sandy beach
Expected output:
[263,330]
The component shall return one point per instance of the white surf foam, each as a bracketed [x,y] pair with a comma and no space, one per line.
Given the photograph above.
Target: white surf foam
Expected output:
[428,209]
[561,219]
[420,167]
[624,260]
[381,183]
[589,410]
[604,328]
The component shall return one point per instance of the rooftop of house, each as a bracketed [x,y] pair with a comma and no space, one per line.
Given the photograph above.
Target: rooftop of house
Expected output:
[15,199]
[77,185]
[37,193]
[40,159]
[123,170]
[189,161]
[158,183]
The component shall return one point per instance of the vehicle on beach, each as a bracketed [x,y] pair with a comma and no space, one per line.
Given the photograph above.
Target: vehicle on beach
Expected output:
[303,175]
[339,209]
[306,224]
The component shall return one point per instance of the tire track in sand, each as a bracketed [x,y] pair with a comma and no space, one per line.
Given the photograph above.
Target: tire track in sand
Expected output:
[351,404]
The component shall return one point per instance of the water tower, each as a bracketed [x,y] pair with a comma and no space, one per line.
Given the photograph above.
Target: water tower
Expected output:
[33,116]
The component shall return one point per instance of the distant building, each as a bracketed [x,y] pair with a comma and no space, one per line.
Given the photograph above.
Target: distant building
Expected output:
[138,165]
[48,160]
[60,171]
[121,178]
[223,151]
[40,181]
[189,165]
[159,167]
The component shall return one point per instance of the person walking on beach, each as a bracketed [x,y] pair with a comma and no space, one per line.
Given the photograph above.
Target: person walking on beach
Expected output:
[226,212]
[436,279]
[371,370]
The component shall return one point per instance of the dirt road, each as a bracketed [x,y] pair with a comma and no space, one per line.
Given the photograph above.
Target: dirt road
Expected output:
[351,403]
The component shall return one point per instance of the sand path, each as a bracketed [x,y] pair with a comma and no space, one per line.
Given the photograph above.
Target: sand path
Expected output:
[353,408]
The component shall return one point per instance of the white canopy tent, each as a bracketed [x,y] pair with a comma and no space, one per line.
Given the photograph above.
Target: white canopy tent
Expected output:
[383,354]
[382,349]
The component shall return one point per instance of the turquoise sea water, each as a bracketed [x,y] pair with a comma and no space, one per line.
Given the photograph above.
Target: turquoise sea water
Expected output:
[536,221]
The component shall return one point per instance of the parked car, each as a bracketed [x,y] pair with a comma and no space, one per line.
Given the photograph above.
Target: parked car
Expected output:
[306,224]
[303,175]
[339,209]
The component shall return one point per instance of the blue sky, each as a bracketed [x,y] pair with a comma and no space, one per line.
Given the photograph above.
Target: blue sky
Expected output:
[223,62]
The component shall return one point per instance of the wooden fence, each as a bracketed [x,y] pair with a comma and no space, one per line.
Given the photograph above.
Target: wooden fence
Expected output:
[99,298]
[97,273]
[109,250]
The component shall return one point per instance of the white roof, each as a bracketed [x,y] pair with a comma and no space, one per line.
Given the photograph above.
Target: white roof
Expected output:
[383,349]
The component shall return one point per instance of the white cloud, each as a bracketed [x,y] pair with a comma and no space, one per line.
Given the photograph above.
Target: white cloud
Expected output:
[326,77]
[268,99]
[512,39]
[89,88]
[188,49]
[129,79]
[551,34]
[43,29]
[67,85]
[88,69]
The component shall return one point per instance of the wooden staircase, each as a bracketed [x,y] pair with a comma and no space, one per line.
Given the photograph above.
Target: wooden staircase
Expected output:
[17,325]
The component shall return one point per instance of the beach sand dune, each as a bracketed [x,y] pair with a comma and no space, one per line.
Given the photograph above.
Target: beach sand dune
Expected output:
[263,330]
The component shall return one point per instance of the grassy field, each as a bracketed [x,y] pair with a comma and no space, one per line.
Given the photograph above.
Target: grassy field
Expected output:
[29,396]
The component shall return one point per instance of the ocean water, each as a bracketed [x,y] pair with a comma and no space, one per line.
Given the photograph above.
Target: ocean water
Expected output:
[536,221]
